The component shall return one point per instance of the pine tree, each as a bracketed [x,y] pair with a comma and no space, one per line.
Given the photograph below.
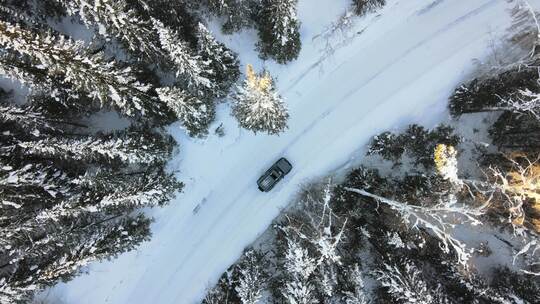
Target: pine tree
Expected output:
[13,67]
[238,14]
[257,106]
[195,114]
[31,13]
[405,285]
[513,131]
[279,36]
[306,249]
[32,186]
[95,242]
[48,92]
[128,191]
[362,7]
[117,19]
[416,141]
[122,148]
[388,145]
[496,93]
[101,80]
[62,255]
[520,285]
[222,61]
[178,15]
[43,85]
[356,293]
[66,201]
[252,277]
[191,69]
[26,119]
[68,196]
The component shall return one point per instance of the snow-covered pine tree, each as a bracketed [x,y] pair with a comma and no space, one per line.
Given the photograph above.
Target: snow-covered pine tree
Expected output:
[62,255]
[95,241]
[237,13]
[61,107]
[103,81]
[134,24]
[355,293]
[25,119]
[12,68]
[58,215]
[195,114]
[192,71]
[253,276]
[296,265]
[308,260]
[29,187]
[362,7]
[299,291]
[63,202]
[417,141]
[142,148]
[405,284]
[516,131]
[257,106]
[32,13]
[511,90]
[516,284]
[50,241]
[388,145]
[117,19]
[279,36]
[178,15]
[41,114]
[48,92]
[223,292]
[128,191]
[222,61]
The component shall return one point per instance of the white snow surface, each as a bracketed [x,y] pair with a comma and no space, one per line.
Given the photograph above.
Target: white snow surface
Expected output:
[399,70]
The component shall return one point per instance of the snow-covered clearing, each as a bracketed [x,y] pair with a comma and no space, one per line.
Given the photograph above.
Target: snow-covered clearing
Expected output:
[399,70]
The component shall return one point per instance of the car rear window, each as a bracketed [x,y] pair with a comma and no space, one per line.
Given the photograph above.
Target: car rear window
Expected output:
[267,181]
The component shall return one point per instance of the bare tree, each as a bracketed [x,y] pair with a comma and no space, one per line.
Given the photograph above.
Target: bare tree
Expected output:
[439,219]
[524,101]
[518,190]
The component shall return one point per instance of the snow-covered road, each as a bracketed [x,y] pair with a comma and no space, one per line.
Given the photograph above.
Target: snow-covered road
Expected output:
[399,70]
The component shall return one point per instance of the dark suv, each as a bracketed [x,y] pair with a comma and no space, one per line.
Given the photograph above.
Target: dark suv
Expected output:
[273,175]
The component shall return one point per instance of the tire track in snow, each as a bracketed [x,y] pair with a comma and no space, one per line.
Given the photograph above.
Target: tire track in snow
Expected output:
[242,196]
[392,63]
[194,250]
[247,217]
[329,111]
[429,7]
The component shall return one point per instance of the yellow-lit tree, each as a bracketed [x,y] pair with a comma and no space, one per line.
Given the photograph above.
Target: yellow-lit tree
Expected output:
[520,189]
[445,158]
[257,106]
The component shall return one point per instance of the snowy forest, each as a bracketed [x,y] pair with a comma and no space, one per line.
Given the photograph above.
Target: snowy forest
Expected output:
[94,95]
[72,190]
[449,214]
